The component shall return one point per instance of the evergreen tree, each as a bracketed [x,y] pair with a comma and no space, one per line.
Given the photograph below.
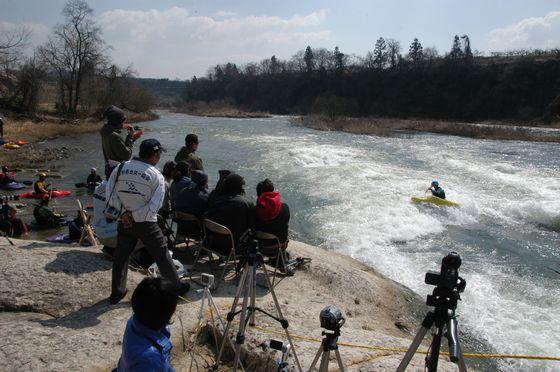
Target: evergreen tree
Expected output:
[308,59]
[380,53]
[456,50]
[415,52]
[338,60]
[274,65]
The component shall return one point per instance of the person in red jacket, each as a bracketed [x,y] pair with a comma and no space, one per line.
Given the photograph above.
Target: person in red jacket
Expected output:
[271,216]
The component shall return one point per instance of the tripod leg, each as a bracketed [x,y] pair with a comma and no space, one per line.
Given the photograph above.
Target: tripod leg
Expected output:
[277,305]
[316,359]
[230,317]
[461,362]
[213,305]
[324,367]
[412,348]
[253,293]
[339,360]
[433,357]
[240,338]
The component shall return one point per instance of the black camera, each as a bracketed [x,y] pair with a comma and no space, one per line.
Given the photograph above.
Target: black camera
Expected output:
[448,277]
[331,318]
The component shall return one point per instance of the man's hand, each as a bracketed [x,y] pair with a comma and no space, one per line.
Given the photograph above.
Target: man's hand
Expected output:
[127,219]
[137,134]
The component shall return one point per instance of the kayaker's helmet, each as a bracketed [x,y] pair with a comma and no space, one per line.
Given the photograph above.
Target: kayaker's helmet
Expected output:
[435,183]
[42,175]
[93,170]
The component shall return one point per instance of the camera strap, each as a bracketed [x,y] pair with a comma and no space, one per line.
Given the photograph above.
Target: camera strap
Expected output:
[115,184]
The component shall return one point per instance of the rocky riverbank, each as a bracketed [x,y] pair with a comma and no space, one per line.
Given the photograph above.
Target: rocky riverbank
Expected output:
[55,314]
[37,129]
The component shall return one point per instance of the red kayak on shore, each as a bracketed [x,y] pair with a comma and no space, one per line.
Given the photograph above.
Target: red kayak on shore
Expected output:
[53,194]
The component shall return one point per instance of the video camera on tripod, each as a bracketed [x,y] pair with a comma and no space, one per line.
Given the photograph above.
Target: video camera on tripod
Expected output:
[448,282]
[448,286]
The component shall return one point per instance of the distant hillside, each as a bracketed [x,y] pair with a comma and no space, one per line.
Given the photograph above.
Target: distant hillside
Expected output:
[167,92]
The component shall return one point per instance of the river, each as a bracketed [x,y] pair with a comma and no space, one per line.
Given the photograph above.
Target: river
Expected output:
[351,193]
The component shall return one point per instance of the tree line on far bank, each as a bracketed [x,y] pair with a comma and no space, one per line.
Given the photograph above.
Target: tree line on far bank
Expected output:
[460,85]
[72,71]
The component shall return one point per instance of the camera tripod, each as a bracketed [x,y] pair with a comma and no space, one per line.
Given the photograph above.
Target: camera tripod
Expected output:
[208,282]
[443,316]
[327,344]
[247,286]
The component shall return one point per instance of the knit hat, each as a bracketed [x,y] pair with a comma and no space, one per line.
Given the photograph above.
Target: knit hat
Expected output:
[115,116]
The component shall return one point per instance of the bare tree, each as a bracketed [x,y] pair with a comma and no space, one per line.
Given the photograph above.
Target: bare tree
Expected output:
[12,43]
[393,52]
[74,50]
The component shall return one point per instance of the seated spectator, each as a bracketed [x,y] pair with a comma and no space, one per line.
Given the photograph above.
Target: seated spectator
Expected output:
[232,210]
[44,216]
[167,172]
[146,342]
[271,216]
[181,180]
[223,173]
[194,200]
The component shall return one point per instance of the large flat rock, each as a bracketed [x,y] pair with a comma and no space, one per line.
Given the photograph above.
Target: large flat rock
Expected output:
[56,316]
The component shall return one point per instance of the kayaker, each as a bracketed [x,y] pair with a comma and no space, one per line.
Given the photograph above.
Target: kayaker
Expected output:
[116,149]
[5,176]
[93,179]
[436,190]
[17,226]
[45,216]
[187,153]
[41,186]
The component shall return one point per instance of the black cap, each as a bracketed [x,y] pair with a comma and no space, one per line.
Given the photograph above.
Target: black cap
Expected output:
[149,146]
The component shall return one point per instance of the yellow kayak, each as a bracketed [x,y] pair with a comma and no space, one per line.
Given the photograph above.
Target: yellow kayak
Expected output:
[11,146]
[434,200]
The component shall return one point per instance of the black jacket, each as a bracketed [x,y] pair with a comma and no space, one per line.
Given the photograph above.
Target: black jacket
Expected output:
[234,212]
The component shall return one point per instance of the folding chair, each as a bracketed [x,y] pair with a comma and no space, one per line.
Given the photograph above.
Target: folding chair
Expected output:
[189,229]
[87,229]
[210,228]
[281,255]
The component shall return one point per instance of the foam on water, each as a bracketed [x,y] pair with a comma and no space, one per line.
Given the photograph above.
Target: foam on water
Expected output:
[352,194]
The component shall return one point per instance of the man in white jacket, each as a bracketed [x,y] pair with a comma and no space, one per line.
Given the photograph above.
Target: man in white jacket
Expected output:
[139,193]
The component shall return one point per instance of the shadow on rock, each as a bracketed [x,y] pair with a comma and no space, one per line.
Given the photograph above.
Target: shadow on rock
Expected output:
[84,318]
[78,262]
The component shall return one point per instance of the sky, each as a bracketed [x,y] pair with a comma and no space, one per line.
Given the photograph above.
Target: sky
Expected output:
[180,39]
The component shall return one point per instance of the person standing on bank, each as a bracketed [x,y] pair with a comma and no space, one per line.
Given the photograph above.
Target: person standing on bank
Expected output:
[138,194]
[1,127]
[187,153]
[116,149]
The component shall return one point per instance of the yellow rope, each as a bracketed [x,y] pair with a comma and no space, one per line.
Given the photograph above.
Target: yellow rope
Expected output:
[402,350]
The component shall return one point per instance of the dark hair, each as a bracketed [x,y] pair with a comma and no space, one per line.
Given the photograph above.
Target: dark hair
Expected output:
[154,301]
[233,185]
[190,139]
[264,186]
[182,169]
[168,169]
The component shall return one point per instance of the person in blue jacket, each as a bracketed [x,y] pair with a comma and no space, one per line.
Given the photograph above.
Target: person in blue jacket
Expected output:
[146,342]
[436,190]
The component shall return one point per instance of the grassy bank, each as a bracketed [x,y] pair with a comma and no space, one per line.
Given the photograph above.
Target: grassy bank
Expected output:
[219,109]
[387,126]
[43,128]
